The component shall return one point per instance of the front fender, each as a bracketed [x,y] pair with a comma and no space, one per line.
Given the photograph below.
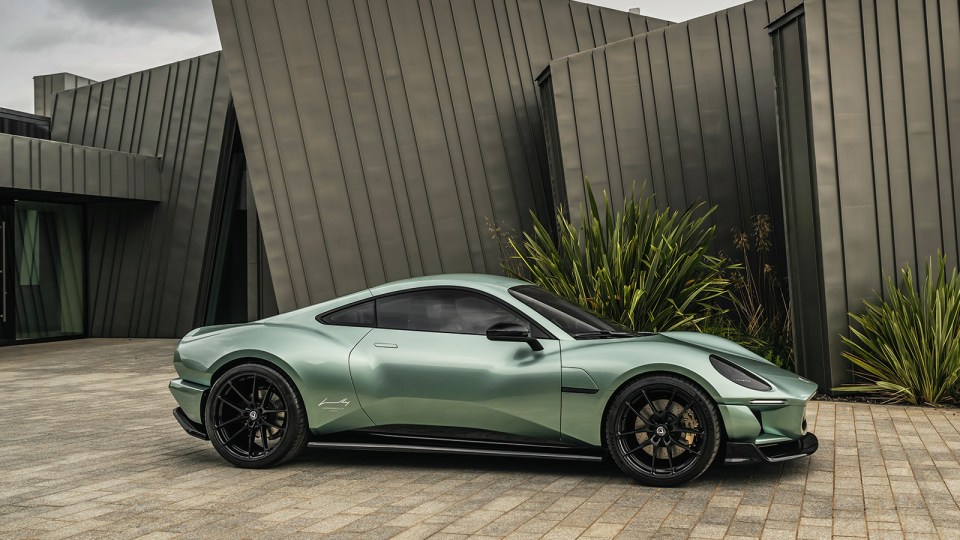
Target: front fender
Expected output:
[582,413]
[612,363]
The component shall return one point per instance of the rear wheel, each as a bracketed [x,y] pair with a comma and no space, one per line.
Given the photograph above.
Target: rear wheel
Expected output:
[662,430]
[255,417]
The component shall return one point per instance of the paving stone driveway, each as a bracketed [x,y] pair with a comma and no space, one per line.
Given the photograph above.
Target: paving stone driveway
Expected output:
[89,449]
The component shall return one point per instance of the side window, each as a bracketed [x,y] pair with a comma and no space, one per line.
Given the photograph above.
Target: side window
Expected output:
[364,314]
[440,310]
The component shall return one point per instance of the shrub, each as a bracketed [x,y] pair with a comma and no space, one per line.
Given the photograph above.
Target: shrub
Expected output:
[907,346]
[759,315]
[644,268]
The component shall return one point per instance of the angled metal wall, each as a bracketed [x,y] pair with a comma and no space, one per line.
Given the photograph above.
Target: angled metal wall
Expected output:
[51,167]
[45,88]
[144,263]
[686,112]
[382,137]
[24,124]
[802,224]
[879,175]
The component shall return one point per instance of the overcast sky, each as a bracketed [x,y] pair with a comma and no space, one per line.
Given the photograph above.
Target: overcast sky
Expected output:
[101,39]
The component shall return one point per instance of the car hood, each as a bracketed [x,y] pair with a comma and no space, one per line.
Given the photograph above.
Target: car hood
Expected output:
[785,381]
[713,343]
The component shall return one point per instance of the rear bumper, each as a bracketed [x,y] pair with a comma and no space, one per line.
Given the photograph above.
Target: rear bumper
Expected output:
[192,428]
[742,453]
[190,397]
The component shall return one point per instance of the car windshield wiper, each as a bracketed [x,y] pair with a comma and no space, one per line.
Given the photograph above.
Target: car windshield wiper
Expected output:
[600,334]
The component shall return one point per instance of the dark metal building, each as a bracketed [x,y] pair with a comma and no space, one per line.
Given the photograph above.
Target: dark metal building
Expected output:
[869,101]
[686,112]
[384,137]
[335,145]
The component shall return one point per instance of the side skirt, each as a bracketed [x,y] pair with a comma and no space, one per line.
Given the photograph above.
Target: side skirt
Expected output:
[467,451]
[440,440]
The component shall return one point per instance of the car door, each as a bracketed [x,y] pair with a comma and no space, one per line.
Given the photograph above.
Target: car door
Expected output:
[429,363]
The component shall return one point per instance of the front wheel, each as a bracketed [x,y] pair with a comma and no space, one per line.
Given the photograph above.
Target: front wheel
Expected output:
[662,431]
[255,417]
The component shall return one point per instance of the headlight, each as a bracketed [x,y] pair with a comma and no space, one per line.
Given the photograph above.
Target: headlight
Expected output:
[738,375]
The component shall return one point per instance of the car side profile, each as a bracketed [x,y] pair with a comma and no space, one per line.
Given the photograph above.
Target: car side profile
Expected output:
[478,364]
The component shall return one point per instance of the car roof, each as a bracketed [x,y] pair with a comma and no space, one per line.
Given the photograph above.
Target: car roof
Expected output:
[495,285]
[473,281]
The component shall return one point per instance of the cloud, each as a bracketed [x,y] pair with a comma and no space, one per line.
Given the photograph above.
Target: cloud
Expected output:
[187,16]
[99,39]
[52,36]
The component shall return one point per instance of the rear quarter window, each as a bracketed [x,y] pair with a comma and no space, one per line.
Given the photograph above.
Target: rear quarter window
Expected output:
[363,314]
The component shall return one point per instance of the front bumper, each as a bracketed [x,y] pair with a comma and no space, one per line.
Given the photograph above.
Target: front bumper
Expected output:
[742,452]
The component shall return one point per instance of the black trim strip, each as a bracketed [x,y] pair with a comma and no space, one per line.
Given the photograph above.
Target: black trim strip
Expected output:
[450,450]
[572,390]
[746,453]
[193,429]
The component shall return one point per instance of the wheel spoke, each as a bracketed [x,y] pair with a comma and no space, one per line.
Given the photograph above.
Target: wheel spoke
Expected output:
[266,393]
[646,421]
[253,392]
[230,440]
[684,411]
[271,424]
[633,432]
[223,399]
[274,411]
[250,442]
[687,447]
[228,422]
[230,384]
[688,430]
[642,445]
[670,401]
[670,460]
[652,405]
[263,440]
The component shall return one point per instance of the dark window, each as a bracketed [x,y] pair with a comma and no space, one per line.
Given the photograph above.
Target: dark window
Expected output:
[443,310]
[573,319]
[357,315]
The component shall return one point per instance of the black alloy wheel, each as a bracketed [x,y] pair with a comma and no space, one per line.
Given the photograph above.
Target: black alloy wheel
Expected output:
[662,431]
[255,417]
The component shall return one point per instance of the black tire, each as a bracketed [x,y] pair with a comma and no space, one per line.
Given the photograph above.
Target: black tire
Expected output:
[662,430]
[255,418]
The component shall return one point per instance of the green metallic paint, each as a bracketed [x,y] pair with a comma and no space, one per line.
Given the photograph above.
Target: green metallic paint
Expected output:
[348,382]
[190,398]
[572,377]
[740,423]
[458,380]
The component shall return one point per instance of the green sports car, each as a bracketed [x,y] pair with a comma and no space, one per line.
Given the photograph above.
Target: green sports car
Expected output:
[485,365]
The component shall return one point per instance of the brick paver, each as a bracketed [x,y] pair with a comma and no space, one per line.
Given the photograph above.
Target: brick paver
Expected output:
[89,449]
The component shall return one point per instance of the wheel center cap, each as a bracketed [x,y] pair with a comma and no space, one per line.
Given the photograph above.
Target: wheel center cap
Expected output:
[253,415]
[661,431]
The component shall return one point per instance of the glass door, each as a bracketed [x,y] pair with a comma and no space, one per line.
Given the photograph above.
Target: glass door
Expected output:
[42,269]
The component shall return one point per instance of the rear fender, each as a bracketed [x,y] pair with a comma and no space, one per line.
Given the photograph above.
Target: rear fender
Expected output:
[315,361]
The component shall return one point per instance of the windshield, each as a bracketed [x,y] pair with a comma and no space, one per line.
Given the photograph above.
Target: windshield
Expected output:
[571,318]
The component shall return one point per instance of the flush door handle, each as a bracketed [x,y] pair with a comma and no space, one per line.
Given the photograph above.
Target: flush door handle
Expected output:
[385,345]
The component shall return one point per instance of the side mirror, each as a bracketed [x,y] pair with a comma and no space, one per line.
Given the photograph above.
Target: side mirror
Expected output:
[508,331]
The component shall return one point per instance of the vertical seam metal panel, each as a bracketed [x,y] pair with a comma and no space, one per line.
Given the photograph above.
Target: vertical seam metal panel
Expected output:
[494,98]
